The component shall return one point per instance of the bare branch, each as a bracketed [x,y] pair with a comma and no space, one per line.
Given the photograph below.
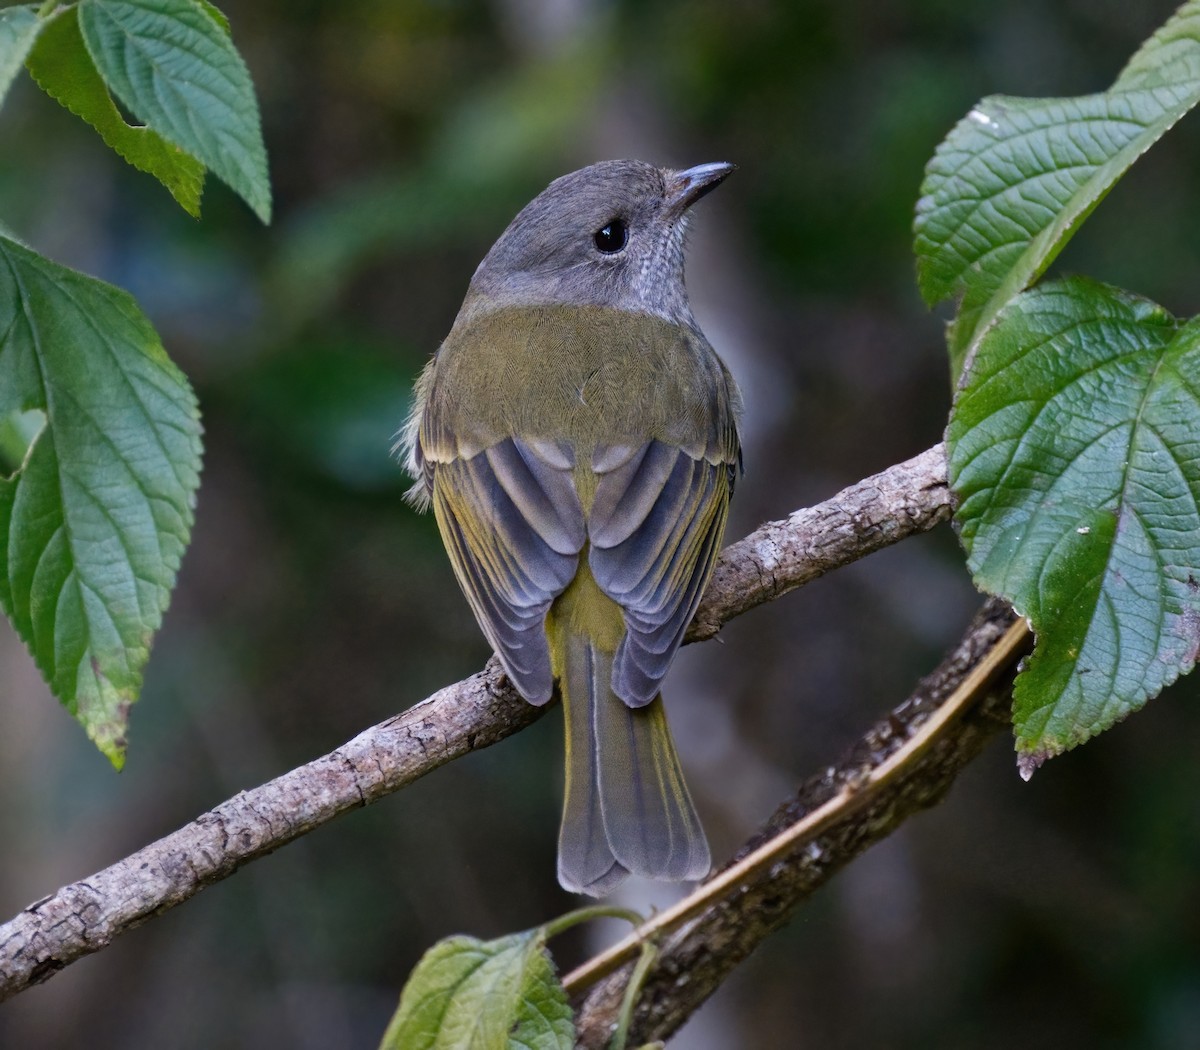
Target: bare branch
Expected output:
[85,916]
[902,765]
[780,556]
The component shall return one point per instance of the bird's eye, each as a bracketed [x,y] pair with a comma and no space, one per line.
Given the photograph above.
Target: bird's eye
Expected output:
[611,237]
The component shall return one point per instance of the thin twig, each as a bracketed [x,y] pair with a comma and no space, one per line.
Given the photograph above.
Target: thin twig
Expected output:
[87,915]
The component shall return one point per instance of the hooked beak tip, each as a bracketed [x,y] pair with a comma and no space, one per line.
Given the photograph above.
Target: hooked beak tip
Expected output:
[686,187]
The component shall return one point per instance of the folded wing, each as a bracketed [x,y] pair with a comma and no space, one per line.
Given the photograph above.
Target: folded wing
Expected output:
[513,525]
[655,531]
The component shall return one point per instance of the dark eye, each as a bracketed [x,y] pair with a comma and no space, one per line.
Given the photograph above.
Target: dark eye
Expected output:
[611,237]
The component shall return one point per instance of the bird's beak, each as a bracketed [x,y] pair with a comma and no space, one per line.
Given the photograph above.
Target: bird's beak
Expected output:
[684,188]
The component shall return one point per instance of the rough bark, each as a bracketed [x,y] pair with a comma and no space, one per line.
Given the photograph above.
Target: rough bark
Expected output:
[782,555]
[87,915]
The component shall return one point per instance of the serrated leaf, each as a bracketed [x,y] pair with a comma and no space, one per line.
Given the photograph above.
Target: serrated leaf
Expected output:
[175,68]
[62,67]
[217,15]
[1075,452]
[94,524]
[467,994]
[19,28]
[1011,183]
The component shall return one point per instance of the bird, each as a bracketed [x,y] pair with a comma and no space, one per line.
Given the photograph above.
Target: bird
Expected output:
[576,436]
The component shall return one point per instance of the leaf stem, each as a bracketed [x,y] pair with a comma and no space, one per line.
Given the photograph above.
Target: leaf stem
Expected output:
[629,1000]
[596,911]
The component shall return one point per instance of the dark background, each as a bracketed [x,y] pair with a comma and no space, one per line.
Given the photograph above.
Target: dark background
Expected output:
[403,136]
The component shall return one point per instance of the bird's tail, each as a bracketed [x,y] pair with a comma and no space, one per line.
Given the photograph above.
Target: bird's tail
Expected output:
[627,808]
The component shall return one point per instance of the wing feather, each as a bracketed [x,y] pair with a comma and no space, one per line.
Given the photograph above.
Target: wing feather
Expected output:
[655,531]
[513,525]
[627,493]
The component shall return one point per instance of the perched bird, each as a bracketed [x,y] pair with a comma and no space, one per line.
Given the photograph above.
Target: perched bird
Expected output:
[577,438]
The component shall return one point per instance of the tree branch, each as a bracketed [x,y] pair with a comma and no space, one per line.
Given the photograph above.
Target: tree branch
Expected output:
[481,710]
[782,555]
[904,764]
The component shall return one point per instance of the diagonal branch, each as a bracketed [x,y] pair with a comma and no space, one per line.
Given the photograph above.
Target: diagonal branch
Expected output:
[481,710]
[782,555]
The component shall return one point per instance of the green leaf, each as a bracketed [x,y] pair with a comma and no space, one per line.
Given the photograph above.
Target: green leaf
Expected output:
[1012,182]
[1075,453]
[175,68]
[93,525]
[18,431]
[467,994]
[63,69]
[217,15]
[19,28]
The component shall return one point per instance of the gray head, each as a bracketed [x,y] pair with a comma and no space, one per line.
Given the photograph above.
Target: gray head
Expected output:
[606,235]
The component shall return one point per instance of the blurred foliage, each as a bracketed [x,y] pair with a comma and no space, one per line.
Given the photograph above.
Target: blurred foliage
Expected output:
[403,136]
